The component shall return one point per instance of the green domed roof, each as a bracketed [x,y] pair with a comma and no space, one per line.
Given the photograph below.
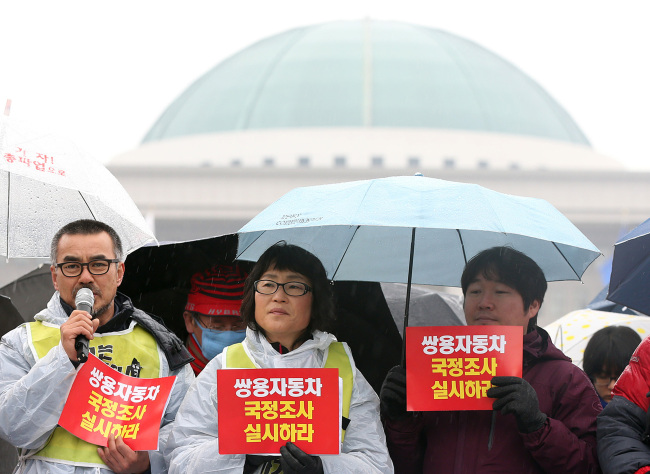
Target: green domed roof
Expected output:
[366,73]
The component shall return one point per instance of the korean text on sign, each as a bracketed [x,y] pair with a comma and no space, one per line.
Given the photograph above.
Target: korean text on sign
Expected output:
[450,367]
[261,409]
[103,402]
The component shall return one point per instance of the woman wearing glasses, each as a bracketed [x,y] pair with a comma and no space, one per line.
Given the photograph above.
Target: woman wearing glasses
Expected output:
[287,307]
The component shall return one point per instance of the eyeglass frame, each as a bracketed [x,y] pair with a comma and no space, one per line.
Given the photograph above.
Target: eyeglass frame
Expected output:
[87,265]
[610,379]
[198,318]
[278,285]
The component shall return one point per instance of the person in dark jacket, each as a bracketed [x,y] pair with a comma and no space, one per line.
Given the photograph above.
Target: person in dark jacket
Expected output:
[543,422]
[623,425]
[606,355]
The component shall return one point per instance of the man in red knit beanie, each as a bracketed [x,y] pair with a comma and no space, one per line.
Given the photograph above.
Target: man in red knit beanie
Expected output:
[212,312]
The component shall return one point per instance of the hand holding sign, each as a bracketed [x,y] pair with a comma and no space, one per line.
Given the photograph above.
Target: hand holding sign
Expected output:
[515,395]
[392,396]
[295,461]
[120,458]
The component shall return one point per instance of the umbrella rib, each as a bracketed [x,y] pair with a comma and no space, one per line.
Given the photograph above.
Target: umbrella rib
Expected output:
[568,263]
[249,245]
[87,206]
[462,245]
[346,251]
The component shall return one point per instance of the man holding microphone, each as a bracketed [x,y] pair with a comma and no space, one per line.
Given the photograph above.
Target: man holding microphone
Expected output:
[39,361]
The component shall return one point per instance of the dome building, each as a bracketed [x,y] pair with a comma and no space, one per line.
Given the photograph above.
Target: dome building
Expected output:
[352,100]
[366,94]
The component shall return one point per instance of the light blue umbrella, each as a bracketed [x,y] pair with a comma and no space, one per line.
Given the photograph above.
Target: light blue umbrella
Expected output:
[413,229]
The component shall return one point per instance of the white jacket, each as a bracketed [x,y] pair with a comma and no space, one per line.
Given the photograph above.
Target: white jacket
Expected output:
[32,396]
[193,445]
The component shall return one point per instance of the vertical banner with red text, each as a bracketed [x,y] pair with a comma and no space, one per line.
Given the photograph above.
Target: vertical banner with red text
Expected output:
[103,402]
[450,367]
[261,409]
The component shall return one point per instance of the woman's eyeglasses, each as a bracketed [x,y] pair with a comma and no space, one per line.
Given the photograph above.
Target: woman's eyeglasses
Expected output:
[604,380]
[291,288]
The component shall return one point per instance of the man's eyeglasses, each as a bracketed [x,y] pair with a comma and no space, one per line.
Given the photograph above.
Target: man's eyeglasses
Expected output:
[291,288]
[99,266]
[218,323]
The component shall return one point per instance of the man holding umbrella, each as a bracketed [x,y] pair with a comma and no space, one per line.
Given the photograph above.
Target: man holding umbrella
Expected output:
[543,422]
[39,361]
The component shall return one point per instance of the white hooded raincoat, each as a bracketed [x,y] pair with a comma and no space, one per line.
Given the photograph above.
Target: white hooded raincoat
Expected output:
[193,445]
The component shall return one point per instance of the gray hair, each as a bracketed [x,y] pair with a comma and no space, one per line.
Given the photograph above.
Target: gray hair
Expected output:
[86,227]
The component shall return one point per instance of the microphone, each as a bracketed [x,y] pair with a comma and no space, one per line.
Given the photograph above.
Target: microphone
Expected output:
[84,301]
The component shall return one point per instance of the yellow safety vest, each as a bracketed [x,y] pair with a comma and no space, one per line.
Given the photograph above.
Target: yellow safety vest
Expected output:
[337,358]
[116,349]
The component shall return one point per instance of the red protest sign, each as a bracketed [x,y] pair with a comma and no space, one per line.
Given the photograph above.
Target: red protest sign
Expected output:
[261,409]
[450,367]
[104,402]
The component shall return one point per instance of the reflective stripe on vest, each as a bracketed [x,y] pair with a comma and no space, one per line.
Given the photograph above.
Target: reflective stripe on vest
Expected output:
[337,358]
[117,349]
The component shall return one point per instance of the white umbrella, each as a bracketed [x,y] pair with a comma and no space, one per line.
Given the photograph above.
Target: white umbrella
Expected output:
[47,182]
[572,332]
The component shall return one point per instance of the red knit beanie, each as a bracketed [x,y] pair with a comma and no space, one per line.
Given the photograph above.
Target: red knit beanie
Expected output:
[217,291]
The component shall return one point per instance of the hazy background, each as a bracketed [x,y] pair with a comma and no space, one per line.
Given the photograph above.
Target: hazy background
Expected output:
[102,72]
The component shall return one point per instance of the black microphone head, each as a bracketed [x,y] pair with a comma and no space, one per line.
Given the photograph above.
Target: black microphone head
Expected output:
[84,299]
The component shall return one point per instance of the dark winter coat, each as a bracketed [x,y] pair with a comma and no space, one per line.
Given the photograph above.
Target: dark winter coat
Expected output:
[457,441]
[622,423]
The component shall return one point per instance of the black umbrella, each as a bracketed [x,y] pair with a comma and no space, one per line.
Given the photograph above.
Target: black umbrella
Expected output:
[157,279]
[9,316]
[628,284]
[601,303]
[30,292]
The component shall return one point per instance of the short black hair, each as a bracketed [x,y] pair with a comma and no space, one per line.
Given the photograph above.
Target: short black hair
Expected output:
[609,350]
[511,267]
[283,256]
[85,227]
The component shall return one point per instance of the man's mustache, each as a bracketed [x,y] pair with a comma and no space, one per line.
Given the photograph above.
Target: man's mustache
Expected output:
[95,289]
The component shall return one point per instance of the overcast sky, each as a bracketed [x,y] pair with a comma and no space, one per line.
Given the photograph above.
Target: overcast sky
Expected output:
[102,72]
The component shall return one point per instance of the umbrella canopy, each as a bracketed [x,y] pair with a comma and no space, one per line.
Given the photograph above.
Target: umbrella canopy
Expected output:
[572,332]
[157,278]
[364,230]
[630,278]
[412,229]
[30,292]
[601,303]
[9,315]
[46,182]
